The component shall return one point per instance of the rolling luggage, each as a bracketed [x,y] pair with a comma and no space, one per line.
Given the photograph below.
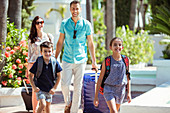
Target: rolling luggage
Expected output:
[88,92]
[26,94]
[27,97]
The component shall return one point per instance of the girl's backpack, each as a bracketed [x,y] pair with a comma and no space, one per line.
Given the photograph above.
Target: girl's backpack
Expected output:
[107,71]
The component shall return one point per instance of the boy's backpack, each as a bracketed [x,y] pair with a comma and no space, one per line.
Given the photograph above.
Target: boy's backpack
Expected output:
[107,71]
[40,67]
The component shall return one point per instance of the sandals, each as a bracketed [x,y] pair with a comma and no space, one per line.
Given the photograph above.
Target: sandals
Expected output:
[67,108]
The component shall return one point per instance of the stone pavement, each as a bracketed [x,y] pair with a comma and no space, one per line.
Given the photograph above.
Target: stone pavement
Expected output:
[57,106]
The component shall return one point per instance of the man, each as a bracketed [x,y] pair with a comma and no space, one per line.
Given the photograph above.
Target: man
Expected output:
[74,31]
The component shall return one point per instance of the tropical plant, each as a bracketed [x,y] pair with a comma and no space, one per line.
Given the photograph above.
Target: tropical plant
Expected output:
[15,57]
[61,11]
[14,36]
[166,52]
[98,37]
[161,24]
[138,47]
[161,21]
[27,8]
[15,67]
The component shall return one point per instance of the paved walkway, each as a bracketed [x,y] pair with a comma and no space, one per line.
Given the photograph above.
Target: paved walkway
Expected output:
[56,107]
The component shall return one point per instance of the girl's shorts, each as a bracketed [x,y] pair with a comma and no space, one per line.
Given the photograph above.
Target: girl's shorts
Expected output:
[116,92]
[44,95]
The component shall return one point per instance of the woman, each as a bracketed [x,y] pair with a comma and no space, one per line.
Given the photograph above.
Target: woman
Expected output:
[36,37]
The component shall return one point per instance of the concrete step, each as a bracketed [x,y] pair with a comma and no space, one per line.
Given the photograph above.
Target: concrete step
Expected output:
[143,80]
[156,100]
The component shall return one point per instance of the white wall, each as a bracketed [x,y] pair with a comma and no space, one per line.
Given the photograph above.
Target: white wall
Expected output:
[157,47]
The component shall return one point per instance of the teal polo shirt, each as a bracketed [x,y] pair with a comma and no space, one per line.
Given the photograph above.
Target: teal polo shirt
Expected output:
[75,50]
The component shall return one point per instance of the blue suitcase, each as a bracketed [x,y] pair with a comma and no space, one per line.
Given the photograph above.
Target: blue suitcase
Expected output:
[88,92]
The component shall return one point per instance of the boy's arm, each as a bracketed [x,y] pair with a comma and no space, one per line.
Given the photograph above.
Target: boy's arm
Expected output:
[30,77]
[96,101]
[52,91]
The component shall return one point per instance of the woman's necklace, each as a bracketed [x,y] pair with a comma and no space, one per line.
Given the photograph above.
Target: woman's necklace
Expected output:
[39,34]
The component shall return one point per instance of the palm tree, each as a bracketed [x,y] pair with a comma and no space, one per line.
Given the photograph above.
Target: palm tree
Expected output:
[89,15]
[161,24]
[133,11]
[110,21]
[61,11]
[14,12]
[3,30]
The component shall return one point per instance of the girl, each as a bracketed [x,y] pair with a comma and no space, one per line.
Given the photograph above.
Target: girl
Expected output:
[115,83]
[34,40]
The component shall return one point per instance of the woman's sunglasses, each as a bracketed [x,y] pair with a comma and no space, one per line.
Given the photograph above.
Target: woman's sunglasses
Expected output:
[74,36]
[41,22]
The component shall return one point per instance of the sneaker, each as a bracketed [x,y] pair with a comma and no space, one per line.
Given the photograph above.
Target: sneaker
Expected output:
[67,108]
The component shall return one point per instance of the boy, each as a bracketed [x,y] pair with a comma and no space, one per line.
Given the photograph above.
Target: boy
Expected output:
[45,80]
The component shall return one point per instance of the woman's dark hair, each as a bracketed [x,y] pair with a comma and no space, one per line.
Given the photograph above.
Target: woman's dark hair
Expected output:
[33,30]
[115,39]
[74,2]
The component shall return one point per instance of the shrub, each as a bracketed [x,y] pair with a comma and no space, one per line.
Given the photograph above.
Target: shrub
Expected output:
[138,47]
[16,64]
[98,37]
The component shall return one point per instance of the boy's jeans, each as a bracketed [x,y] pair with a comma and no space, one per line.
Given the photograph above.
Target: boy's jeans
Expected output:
[78,71]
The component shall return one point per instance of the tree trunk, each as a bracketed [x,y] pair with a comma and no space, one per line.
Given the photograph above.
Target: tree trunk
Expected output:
[3,30]
[14,12]
[133,12]
[89,14]
[110,21]
[145,6]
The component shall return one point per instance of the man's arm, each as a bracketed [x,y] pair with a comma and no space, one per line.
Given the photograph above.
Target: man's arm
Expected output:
[92,50]
[59,44]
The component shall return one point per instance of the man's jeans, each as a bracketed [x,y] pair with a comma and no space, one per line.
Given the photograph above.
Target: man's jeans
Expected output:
[78,71]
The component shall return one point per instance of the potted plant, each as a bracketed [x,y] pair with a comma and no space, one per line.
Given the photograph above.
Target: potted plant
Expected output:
[15,66]
[16,57]
[13,73]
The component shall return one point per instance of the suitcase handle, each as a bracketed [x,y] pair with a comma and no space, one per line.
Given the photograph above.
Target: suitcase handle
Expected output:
[25,86]
[95,74]
[94,69]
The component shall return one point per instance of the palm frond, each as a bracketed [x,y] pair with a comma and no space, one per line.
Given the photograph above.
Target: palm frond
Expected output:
[61,10]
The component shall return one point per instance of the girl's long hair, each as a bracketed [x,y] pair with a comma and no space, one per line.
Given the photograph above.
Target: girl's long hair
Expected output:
[33,30]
